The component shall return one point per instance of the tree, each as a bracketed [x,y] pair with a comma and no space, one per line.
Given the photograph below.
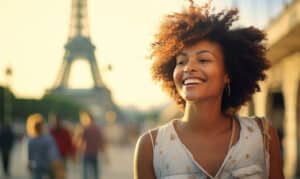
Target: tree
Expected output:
[22,108]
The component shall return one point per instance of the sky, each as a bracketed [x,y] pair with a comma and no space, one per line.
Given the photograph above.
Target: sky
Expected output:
[33,34]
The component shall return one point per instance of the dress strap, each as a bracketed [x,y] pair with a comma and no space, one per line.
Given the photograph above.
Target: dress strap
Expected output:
[264,125]
[232,134]
[151,138]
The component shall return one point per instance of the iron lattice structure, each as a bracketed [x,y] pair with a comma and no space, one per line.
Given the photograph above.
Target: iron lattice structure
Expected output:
[79,46]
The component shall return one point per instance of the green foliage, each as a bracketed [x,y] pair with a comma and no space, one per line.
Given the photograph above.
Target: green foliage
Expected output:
[62,106]
[4,95]
[22,108]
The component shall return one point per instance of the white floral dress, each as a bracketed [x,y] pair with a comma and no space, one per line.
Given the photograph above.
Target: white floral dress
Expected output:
[244,160]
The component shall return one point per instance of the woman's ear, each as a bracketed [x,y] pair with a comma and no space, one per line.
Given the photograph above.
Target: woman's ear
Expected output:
[226,78]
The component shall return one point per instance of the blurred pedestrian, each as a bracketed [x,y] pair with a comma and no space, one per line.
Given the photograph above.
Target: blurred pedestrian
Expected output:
[63,139]
[92,142]
[43,155]
[7,138]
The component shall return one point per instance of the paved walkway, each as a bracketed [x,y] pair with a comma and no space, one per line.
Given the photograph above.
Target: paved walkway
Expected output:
[120,166]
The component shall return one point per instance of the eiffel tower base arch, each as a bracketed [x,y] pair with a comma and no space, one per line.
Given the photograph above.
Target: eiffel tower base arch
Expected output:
[97,100]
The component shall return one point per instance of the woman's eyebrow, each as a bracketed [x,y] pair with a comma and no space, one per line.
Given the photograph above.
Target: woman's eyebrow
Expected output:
[182,54]
[203,51]
[197,53]
[206,51]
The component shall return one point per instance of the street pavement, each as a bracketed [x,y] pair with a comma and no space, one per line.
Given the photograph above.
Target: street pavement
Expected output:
[119,167]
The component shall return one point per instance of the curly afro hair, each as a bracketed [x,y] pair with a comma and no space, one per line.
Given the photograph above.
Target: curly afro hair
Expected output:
[244,52]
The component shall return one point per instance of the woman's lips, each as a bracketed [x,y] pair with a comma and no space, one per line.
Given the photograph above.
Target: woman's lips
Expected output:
[193,81]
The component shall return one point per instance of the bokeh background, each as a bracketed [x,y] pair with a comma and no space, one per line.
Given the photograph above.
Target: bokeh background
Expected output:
[34,36]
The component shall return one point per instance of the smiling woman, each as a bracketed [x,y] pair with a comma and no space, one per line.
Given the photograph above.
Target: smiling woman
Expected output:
[210,69]
[195,66]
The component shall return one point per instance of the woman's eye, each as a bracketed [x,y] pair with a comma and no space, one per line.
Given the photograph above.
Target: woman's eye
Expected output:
[203,60]
[180,62]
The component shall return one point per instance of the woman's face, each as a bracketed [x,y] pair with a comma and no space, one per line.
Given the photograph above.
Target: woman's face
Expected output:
[199,73]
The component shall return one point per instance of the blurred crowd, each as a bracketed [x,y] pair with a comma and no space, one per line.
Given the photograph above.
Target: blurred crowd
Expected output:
[52,147]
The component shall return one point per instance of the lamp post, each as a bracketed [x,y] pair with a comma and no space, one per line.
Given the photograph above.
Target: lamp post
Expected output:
[7,96]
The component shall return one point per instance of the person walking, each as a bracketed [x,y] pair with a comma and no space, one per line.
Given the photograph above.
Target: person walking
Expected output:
[43,156]
[7,138]
[63,139]
[92,143]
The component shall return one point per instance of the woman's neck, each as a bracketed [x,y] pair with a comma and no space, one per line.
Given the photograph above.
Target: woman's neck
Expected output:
[203,116]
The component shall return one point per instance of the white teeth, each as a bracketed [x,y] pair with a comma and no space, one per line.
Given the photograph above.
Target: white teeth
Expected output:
[192,81]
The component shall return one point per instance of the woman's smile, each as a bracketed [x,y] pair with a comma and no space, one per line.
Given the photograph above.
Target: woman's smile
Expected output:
[199,72]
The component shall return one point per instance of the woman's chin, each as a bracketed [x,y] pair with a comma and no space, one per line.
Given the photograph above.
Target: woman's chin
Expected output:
[192,98]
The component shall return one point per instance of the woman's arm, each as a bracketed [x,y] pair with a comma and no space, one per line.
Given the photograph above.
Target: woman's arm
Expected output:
[143,158]
[276,168]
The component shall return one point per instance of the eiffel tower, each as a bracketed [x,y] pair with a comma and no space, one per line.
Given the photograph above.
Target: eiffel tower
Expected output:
[98,98]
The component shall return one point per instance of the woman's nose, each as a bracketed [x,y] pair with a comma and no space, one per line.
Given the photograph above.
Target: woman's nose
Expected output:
[190,67]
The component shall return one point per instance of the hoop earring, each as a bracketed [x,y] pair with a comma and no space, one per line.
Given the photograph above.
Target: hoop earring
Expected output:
[228,89]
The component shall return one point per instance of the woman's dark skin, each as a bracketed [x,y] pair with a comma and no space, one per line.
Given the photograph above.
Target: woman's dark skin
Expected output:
[210,70]
[204,129]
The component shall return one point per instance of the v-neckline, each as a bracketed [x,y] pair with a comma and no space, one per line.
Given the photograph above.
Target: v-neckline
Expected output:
[190,154]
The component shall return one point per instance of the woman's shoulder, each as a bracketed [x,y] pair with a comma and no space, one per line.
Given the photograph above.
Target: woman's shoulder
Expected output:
[261,122]
[152,134]
[252,120]
[147,140]
[143,154]
[144,151]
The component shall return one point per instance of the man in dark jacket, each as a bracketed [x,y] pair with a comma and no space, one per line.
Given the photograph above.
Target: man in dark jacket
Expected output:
[6,143]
